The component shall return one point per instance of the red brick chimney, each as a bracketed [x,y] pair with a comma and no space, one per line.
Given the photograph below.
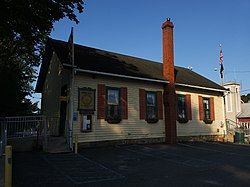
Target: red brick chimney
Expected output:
[169,89]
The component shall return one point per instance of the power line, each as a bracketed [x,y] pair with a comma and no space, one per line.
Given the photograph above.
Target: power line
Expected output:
[245,90]
[247,71]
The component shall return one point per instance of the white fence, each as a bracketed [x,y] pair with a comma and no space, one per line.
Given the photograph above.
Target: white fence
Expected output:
[40,127]
[21,127]
[233,127]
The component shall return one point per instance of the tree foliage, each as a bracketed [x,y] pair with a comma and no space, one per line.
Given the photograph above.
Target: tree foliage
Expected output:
[25,25]
[245,98]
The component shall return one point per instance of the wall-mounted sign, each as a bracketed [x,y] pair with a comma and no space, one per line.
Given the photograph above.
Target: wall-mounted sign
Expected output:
[86,100]
[86,123]
[75,116]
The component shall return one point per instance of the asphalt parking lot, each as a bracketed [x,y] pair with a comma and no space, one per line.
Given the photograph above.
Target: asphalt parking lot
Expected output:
[189,164]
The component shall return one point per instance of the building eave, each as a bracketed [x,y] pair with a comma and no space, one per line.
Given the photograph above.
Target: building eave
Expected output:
[116,75]
[200,87]
[141,78]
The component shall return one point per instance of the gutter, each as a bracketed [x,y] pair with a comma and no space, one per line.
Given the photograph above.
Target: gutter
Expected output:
[140,78]
[200,87]
[117,75]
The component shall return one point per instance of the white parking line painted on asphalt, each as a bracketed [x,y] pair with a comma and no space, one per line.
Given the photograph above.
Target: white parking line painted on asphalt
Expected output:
[101,165]
[57,162]
[212,150]
[58,170]
[246,146]
[185,162]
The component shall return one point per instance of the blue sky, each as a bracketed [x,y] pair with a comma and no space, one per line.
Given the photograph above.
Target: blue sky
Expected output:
[134,28]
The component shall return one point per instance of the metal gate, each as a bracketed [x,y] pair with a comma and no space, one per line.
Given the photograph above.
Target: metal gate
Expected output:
[23,127]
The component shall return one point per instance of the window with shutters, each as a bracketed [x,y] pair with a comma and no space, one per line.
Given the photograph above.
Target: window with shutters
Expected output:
[208,112]
[206,109]
[151,107]
[181,109]
[113,105]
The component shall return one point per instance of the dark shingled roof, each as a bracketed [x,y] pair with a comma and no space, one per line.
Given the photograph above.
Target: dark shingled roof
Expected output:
[104,61]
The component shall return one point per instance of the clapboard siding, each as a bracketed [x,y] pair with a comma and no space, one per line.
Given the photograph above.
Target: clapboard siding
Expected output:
[196,127]
[50,105]
[51,90]
[50,94]
[131,128]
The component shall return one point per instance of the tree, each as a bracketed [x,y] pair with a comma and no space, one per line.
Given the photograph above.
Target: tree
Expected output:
[245,98]
[25,26]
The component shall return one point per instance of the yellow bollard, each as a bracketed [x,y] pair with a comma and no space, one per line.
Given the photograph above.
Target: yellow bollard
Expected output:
[8,166]
[76,143]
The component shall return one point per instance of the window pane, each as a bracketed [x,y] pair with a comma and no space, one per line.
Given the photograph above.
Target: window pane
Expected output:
[151,112]
[113,97]
[151,99]
[181,107]
[206,105]
[113,110]
[151,105]
[207,114]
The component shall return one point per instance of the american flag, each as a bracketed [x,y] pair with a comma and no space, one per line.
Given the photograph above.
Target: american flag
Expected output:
[221,63]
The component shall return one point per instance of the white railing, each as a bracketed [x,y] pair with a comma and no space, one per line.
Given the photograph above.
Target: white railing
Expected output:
[39,127]
[233,127]
[23,126]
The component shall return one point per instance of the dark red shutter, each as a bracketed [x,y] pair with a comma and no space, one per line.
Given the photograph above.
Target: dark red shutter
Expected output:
[160,104]
[124,103]
[201,110]
[101,101]
[188,106]
[142,102]
[212,117]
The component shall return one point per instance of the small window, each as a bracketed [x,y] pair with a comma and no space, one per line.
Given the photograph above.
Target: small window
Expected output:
[113,114]
[207,108]
[151,107]
[181,109]
[228,99]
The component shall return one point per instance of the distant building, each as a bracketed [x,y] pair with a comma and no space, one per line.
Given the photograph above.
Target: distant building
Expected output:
[244,116]
[236,111]
[232,100]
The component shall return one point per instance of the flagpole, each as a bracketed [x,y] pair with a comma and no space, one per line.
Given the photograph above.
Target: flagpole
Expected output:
[72,90]
[222,80]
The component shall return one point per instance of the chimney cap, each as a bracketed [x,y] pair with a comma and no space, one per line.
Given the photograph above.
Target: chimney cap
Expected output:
[167,23]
